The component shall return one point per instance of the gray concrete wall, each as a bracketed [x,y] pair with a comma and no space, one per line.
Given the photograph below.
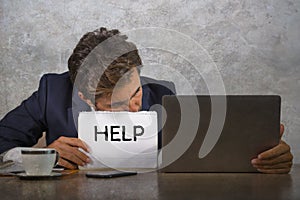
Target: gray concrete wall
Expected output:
[254,44]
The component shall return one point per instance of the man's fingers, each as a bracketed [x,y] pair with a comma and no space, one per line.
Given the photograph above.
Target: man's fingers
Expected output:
[64,163]
[276,160]
[72,154]
[278,150]
[281,130]
[287,157]
[75,142]
[275,171]
[82,156]
[275,166]
[68,149]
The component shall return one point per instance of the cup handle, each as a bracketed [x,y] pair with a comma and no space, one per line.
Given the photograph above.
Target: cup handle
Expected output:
[56,159]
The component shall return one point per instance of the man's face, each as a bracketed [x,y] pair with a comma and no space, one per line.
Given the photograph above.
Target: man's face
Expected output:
[126,97]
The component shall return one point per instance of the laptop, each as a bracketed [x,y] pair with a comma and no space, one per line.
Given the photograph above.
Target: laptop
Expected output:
[217,133]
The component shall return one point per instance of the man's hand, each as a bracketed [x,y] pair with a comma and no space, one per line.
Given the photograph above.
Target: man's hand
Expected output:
[276,160]
[69,154]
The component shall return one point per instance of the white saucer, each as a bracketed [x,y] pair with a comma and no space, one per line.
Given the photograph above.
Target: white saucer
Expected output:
[25,176]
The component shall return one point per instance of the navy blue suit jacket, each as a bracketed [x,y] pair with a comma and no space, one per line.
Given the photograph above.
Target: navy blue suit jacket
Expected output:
[51,108]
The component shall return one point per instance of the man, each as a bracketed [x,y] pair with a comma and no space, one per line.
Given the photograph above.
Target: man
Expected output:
[103,75]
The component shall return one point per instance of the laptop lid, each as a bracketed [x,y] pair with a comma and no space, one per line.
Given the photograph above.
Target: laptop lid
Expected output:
[218,133]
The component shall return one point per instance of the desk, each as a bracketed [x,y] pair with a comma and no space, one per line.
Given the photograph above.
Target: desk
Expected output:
[158,186]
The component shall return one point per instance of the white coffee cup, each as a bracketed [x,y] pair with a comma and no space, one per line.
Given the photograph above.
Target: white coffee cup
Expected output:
[39,161]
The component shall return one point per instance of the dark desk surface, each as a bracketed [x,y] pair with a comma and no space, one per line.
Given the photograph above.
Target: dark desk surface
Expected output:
[158,186]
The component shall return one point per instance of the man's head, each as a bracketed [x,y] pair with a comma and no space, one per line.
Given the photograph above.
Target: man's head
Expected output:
[105,69]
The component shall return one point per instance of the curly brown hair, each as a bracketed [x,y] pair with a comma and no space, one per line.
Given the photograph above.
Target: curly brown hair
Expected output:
[100,59]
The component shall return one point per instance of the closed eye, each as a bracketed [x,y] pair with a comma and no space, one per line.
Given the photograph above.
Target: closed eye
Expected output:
[134,94]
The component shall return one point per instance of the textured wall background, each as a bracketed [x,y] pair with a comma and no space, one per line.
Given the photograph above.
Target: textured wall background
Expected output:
[255,44]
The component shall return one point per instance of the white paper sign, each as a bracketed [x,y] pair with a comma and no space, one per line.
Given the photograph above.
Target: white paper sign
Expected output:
[120,139]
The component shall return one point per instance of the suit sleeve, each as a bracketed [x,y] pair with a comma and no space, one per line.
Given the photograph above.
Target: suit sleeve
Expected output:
[24,125]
